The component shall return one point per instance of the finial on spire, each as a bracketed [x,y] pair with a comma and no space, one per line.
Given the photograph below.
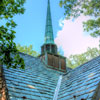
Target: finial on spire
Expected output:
[48,1]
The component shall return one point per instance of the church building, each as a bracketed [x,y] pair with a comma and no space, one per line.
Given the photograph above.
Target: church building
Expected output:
[47,77]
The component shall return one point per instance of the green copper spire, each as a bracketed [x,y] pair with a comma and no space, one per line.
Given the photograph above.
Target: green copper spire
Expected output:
[49,46]
[49,39]
[49,54]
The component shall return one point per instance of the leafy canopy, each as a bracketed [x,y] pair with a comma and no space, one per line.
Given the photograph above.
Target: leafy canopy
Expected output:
[27,50]
[75,60]
[74,8]
[8,51]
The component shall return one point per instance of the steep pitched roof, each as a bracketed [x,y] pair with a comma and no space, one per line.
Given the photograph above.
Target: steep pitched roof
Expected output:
[36,82]
[81,82]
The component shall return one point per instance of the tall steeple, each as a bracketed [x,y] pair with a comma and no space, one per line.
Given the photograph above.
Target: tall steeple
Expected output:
[49,46]
[49,39]
[49,49]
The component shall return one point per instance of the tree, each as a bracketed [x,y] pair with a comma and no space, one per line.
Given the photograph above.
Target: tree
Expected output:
[74,8]
[27,49]
[79,59]
[8,51]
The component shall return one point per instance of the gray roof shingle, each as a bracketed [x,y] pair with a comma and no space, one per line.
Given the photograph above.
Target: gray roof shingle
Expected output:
[37,82]
[81,82]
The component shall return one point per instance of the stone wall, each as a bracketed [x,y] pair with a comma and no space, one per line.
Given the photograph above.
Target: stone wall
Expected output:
[97,93]
[3,91]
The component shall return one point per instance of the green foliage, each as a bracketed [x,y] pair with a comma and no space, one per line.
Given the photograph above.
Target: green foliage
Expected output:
[8,51]
[75,60]
[27,49]
[74,8]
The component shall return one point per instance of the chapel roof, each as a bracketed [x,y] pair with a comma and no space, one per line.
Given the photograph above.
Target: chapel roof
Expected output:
[81,82]
[37,82]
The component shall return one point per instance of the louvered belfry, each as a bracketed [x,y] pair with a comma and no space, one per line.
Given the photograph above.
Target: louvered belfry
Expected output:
[49,48]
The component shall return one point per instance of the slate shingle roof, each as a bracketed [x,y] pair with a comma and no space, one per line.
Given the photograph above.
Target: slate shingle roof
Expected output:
[81,82]
[37,82]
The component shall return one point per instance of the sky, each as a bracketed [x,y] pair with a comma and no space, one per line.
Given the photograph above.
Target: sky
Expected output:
[69,35]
